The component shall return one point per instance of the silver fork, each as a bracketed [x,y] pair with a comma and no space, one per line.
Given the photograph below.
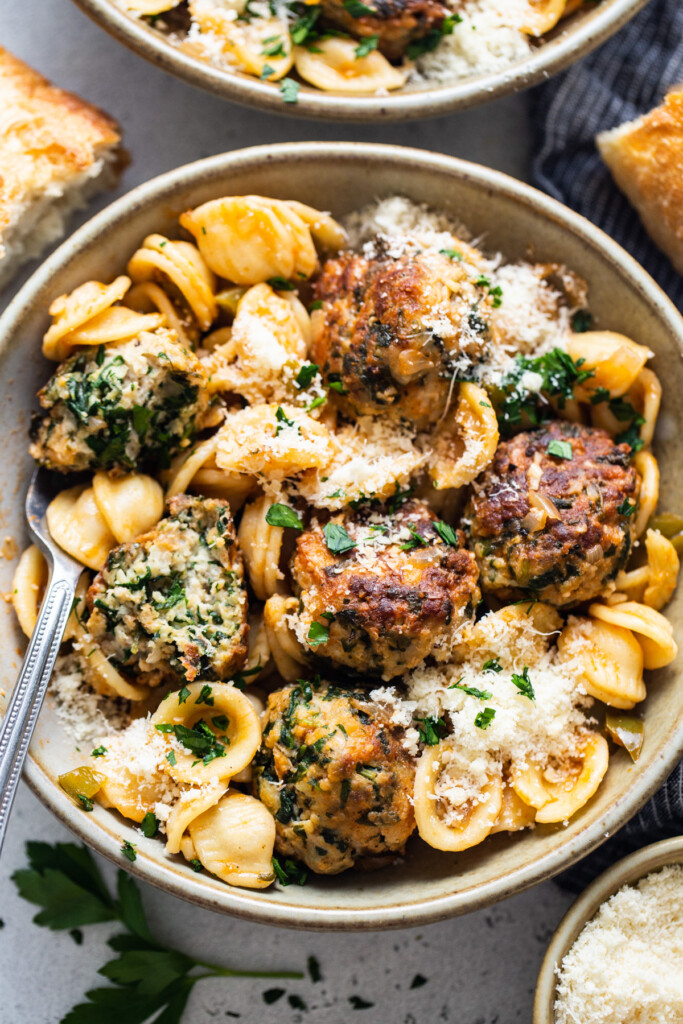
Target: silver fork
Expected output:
[21,716]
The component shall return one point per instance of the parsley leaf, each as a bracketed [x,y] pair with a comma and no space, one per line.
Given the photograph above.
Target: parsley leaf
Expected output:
[471,691]
[416,540]
[283,515]
[358,10]
[289,90]
[453,254]
[492,665]
[183,695]
[307,373]
[523,684]
[290,871]
[447,533]
[98,751]
[150,825]
[317,634]
[582,321]
[128,850]
[561,449]
[204,696]
[626,508]
[280,284]
[366,46]
[515,402]
[337,539]
[484,718]
[431,730]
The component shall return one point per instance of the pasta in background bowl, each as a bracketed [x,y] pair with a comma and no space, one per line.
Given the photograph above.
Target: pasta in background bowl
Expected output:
[429,883]
[353,62]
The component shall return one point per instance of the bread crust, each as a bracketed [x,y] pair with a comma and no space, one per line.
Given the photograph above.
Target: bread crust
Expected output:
[646,159]
[48,138]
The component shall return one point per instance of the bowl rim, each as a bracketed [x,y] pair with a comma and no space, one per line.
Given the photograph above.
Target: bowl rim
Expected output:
[547,60]
[627,871]
[102,835]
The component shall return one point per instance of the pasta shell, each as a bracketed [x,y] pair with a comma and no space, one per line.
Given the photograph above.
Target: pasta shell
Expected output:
[77,525]
[183,265]
[653,631]
[130,505]
[261,545]
[338,68]
[648,468]
[286,651]
[274,440]
[465,443]
[476,819]
[614,359]
[541,16]
[515,814]
[235,839]
[663,565]
[255,46]
[71,311]
[571,793]
[608,658]
[189,806]
[28,586]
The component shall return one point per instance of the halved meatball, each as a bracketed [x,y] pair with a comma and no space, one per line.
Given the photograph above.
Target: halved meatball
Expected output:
[120,407]
[334,774]
[553,515]
[393,331]
[381,591]
[172,604]
[397,22]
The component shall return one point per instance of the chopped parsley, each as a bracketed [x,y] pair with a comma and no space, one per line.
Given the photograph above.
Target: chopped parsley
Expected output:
[183,695]
[303,27]
[523,683]
[290,872]
[128,850]
[431,40]
[170,757]
[447,533]
[358,10]
[305,376]
[559,376]
[196,865]
[282,420]
[492,665]
[431,730]
[280,284]
[471,691]
[289,90]
[453,254]
[336,385]
[98,752]
[366,46]
[318,634]
[337,539]
[582,321]
[561,449]
[626,508]
[484,718]
[85,801]
[150,825]
[416,540]
[205,696]
[274,47]
[283,515]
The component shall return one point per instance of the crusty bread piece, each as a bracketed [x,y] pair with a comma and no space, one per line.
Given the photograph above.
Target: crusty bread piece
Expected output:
[56,151]
[646,160]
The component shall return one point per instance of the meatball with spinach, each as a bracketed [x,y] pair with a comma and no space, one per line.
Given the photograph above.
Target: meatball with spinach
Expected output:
[172,605]
[120,407]
[334,774]
[394,330]
[380,590]
[398,26]
[552,517]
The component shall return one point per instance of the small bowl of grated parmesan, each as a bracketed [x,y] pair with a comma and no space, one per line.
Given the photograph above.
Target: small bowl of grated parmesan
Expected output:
[617,955]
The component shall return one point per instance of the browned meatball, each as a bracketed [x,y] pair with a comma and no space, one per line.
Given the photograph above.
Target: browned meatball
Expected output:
[570,551]
[334,774]
[172,604]
[393,331]
[397,22]
[381,591]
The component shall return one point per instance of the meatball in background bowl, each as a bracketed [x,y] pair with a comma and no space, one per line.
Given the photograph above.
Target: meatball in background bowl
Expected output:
[586,28]
[426,885]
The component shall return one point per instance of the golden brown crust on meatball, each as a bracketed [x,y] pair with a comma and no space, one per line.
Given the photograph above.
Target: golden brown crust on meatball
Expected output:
[391,330]
[172,604]
[334,774]
[574,553]
[397,594]
[397,22]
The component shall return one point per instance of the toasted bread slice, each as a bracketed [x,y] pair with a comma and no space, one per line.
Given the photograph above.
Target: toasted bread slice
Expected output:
[646,159]
[56,151]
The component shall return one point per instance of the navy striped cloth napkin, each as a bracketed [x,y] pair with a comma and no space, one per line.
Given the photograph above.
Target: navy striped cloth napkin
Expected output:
[624,78]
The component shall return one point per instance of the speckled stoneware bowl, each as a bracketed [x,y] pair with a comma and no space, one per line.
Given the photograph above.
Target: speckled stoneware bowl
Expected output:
[628,871]
[573,38]
[507,216]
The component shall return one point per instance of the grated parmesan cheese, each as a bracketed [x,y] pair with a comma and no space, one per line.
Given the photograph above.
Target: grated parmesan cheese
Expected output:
[626,966]
[84,714]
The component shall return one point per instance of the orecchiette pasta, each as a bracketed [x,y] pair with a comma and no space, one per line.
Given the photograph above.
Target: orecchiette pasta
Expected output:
[196,470]
[254,46]
[514,814]
[276,441]
[647,467]
[610,660]
[238,742]
[190,805]
[334,65]
[653,631]
[234,841]
[570,784]
[475,817]
[131,789]
[653,583]
[76,311]
[77,525]
[466,441]
[287,653]
[28,585]
[249,239]
[182,264]
[615,361]
[147,296]
[130,505]
[261,546]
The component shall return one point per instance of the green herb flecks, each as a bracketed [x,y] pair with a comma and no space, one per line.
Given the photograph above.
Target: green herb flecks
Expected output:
[471,691]
[366,45]
[431,730]
[560,449]
[484,718]
[317,634]
[337,539]
[283,515]
[523,683]
[290,872]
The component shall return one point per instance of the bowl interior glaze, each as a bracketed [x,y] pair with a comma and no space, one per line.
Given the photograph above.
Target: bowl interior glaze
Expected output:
[573,38]
[507,216]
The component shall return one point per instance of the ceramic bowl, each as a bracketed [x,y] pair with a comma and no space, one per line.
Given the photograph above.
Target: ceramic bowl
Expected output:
[507,216]
[628,871]
[573,38]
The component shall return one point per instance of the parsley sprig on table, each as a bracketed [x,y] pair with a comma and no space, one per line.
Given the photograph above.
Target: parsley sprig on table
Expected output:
[150,981]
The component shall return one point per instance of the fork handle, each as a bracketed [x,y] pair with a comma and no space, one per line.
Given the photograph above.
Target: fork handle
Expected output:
[27,698]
